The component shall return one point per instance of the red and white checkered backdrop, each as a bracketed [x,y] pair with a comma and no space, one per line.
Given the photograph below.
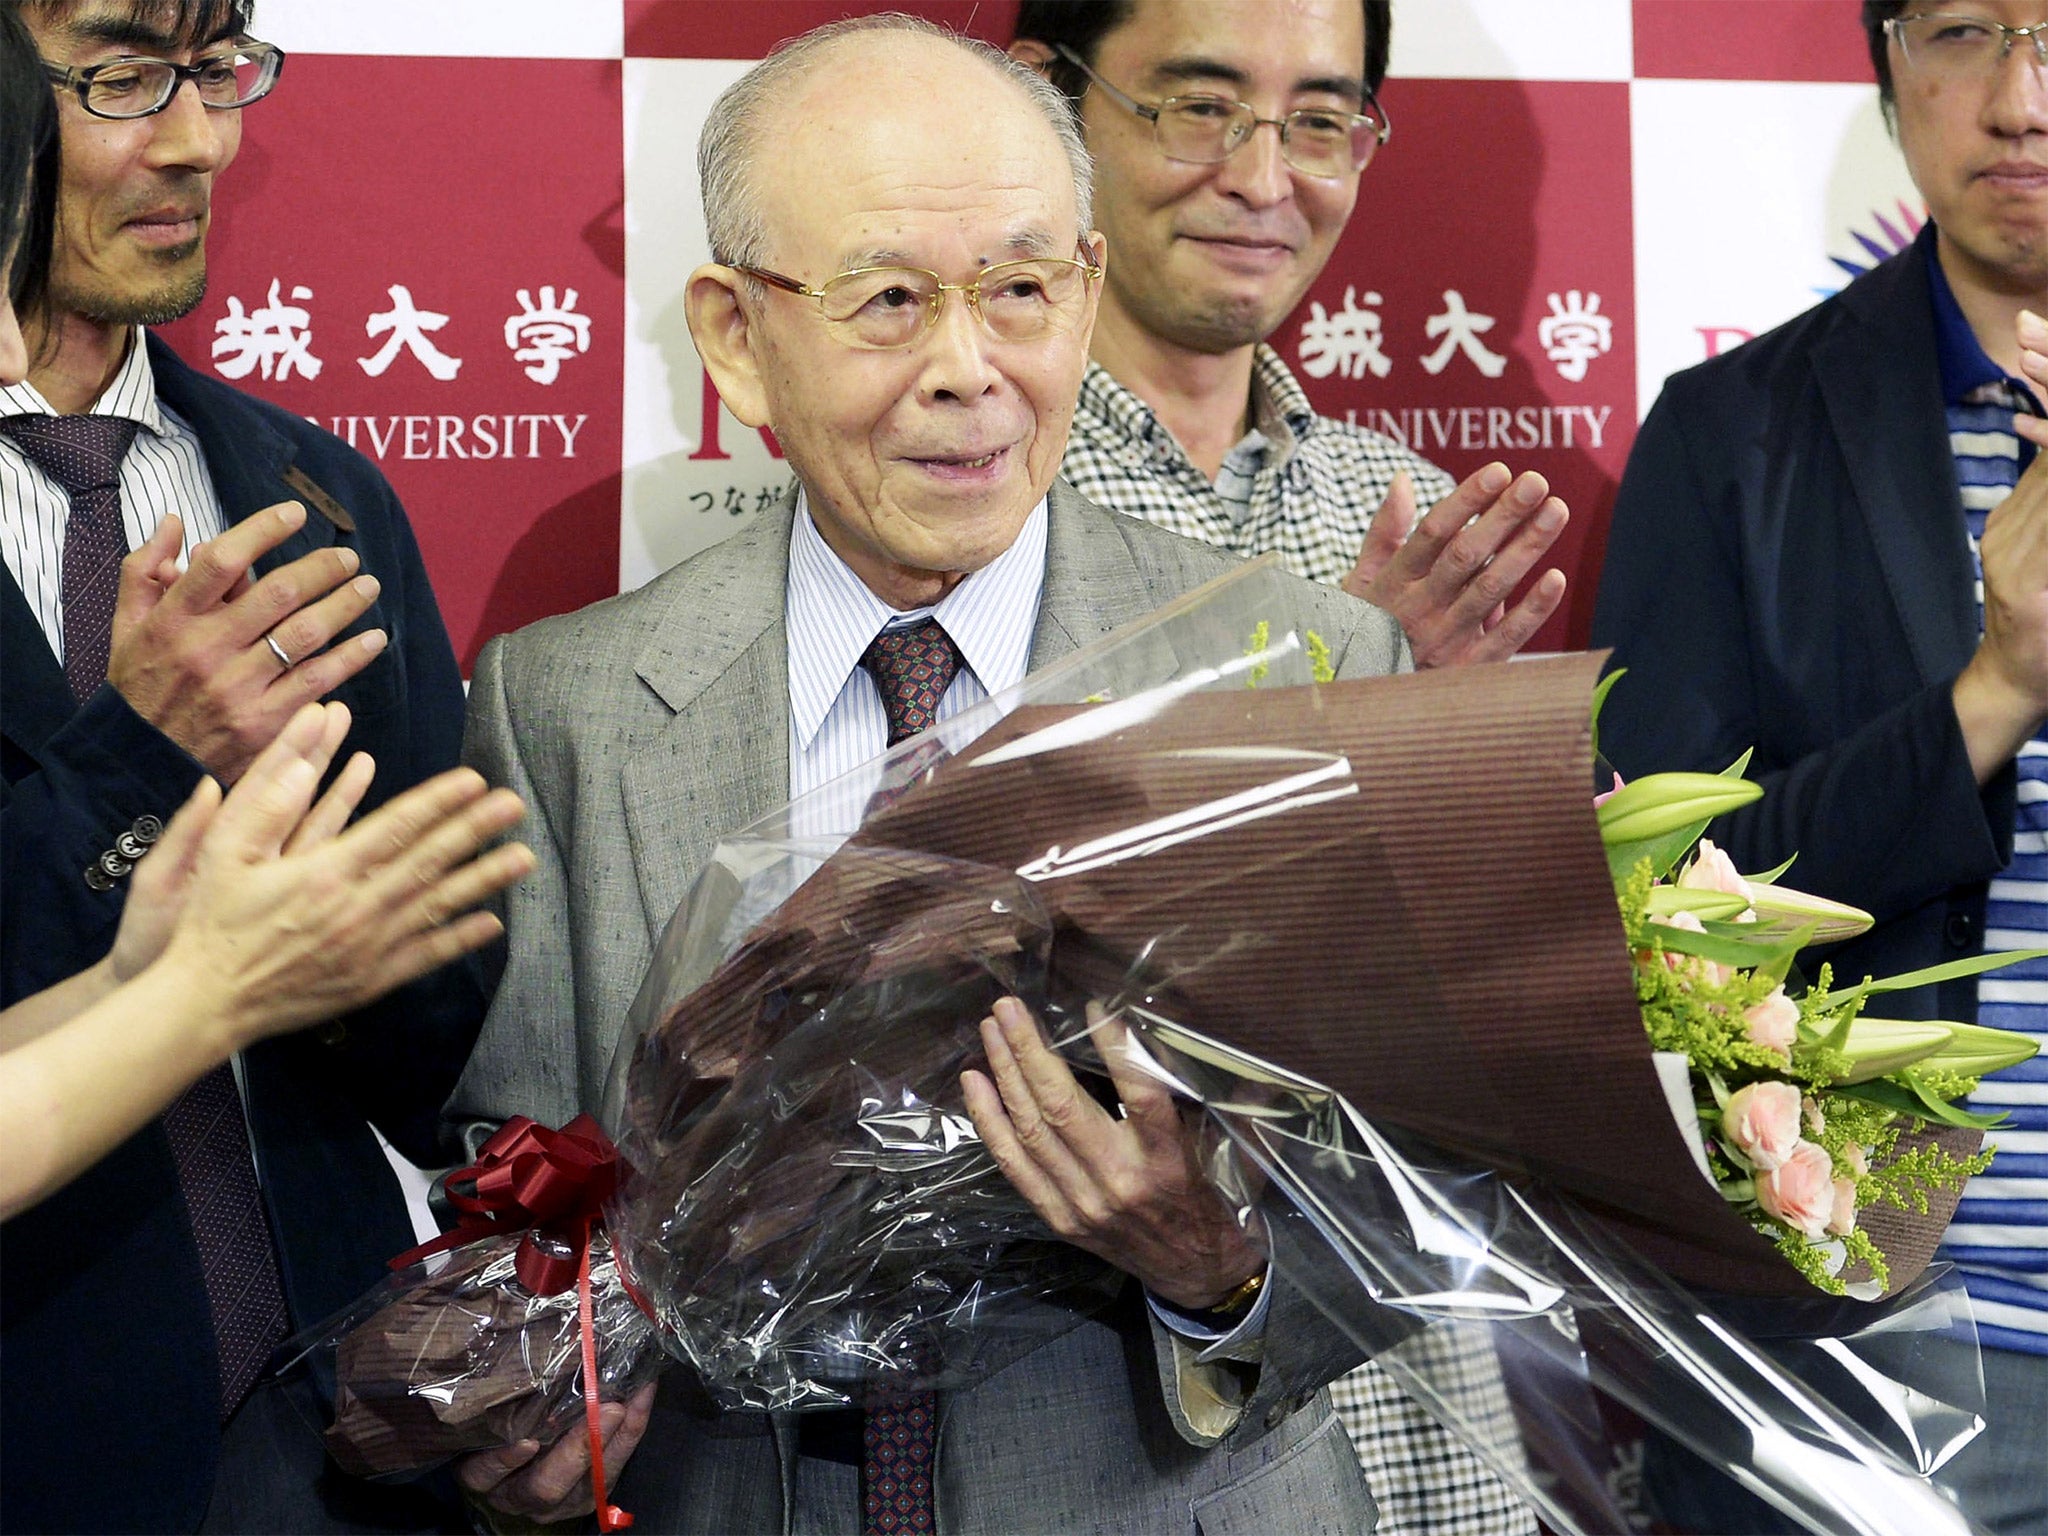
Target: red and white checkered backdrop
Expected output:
[457,236]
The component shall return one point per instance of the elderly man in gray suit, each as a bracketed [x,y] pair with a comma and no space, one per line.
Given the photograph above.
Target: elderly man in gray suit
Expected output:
[855,184]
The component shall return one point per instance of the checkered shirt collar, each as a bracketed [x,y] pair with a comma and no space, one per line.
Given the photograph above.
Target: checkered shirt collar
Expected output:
[1280,408]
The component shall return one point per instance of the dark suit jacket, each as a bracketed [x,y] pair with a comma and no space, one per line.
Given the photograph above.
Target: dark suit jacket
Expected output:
[108,1402]
[1788,570]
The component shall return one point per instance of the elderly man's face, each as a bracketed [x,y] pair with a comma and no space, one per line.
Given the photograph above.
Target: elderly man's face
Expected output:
[923,462]
[136,196]
[1212,257]
[1977,147]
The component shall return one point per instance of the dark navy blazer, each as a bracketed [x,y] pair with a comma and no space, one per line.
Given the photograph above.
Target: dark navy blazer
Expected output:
[108,1403]
[1788,570]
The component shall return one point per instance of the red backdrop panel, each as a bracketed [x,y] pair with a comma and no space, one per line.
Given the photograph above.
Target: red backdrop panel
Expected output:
[509,466]
[1515,196]
[1750,40]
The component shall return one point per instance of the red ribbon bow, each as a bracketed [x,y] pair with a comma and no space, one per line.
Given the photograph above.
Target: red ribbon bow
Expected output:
[551,1186]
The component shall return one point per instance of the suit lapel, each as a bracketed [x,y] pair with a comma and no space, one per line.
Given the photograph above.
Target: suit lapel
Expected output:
[1092,581]
[35,700]
[246,458]
[1882,384]
[722,761]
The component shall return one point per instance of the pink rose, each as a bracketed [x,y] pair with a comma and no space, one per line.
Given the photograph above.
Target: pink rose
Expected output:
[1853,1155]
[1606,795]
[1774,1022]
[1709,971]
[1801,1191]
[1712,870]
[1762,1123]
[1842,1216]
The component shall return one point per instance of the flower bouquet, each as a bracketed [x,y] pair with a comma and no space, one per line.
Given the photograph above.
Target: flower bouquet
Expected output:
[1370,929]
[1804,1111]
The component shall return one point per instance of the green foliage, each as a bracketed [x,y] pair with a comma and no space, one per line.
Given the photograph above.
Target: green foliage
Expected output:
[1906,1179]
[1684,1008]
[1944,1084]
[1859,1246]
[1320,665]
[1600,691]
[1810,1261]
[1262,635]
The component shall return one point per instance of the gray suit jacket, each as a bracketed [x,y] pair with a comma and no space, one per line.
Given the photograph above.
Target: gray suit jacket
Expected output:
[640,731]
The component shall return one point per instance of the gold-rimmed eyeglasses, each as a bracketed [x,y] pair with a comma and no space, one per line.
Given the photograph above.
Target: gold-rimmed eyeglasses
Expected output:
[229,77]
[1205,129]
[880,308]
[1953,47]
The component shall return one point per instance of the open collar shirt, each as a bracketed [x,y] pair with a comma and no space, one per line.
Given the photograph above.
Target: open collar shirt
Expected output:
[1999,1238]
[1302,485]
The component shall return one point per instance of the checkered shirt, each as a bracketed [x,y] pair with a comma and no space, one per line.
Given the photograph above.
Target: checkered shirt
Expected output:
[1311,499]
[1427,1481]
[1314,486]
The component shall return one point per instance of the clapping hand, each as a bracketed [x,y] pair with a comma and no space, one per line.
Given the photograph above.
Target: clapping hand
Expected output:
[283,918]
[1448,581]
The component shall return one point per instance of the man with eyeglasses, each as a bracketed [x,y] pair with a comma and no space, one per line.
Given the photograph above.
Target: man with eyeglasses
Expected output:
[140,1306]
[1228,141]
[904,281]
[1829,546]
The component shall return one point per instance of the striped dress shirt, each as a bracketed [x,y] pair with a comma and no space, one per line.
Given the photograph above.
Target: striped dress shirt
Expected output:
[1999,1239]
[836,722]
[165,471]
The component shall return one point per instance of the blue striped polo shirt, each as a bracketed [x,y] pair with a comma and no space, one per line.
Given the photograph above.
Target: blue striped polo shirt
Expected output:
[1999,1239]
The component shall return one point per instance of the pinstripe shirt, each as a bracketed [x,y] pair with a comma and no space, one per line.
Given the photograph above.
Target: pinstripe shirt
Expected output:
[165,471]
[836,721]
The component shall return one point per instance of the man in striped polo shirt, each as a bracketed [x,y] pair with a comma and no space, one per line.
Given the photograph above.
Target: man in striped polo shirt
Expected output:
[1829,546]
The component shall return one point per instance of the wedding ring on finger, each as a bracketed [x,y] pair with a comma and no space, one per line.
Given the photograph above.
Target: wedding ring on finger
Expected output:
[283,661]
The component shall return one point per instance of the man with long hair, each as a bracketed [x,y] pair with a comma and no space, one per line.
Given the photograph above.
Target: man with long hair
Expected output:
[140,1306]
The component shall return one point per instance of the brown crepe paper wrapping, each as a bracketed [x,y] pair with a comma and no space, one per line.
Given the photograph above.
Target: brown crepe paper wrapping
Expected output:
[468,1360]
[1441,947]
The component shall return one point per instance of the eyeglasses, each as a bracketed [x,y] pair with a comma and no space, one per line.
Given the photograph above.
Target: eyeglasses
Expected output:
[1961,47]
[141,87]
[880,308]
[1202,130]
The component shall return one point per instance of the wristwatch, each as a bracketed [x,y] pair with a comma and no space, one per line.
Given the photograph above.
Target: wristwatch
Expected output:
[1236,1307]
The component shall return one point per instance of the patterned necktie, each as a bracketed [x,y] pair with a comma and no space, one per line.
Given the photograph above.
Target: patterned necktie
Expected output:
[210,1140]
[913,668]
[83,454]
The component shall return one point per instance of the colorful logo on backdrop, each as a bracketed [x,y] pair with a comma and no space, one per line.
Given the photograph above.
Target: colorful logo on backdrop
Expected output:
[1891,238]
[1893,234]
